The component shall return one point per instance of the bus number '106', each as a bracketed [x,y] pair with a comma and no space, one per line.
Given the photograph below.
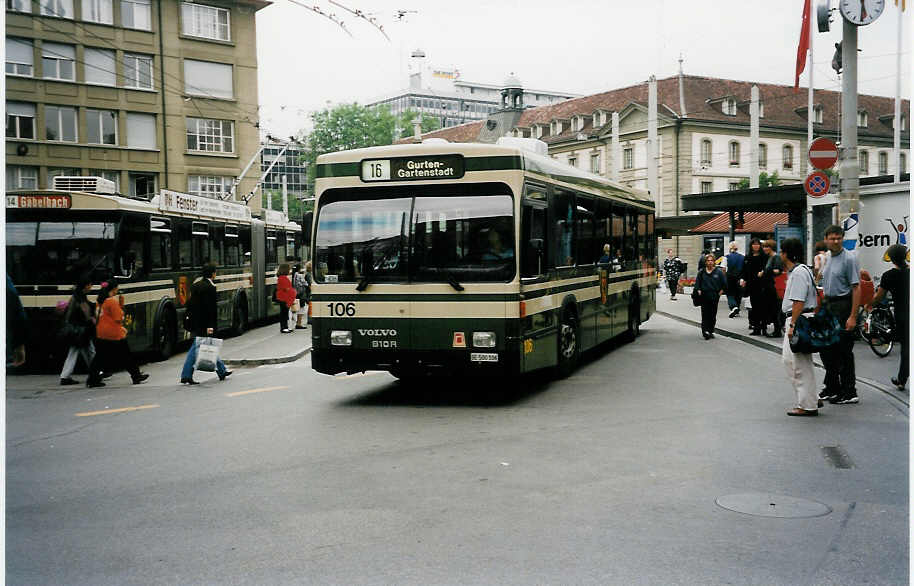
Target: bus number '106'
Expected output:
[341,309]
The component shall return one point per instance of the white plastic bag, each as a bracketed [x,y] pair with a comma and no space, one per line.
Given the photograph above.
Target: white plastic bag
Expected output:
[208,354]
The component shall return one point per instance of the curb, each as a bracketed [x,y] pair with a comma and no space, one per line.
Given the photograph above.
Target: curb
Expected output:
[776,350]
[263,361]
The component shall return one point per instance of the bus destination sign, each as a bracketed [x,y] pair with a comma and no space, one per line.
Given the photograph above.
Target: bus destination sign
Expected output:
[413,168]
[177,202]
[44,201]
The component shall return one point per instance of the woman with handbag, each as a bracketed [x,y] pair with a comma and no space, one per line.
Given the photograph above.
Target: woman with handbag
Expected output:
[78,331]
[285,296]
[773,274]
[799,298]
[710,284]
[298,283]
[113,351]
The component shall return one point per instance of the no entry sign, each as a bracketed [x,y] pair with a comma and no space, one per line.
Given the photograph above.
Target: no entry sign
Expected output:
[816,184]
[823,154]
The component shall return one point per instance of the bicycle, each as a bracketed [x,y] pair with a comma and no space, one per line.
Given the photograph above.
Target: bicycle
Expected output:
[879,329]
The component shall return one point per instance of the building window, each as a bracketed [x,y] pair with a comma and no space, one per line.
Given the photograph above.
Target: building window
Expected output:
[20,57]
[59,8]
[60,172]
[734,185]
[734,154]
[628,156]
[58,61]
[98,11]
[572,161]
[883,163]
[862,119]
[787,157]
[595,163]
[904,122]
[100,66]
[20,177]
[864,162]
[706,152]
[60,123]
[142,184]
[19,5]
[818,113]
[101,126]
[211,80]
[141,130]
[706,187]
[20,120]
[761,109]
[208,185]
[138,71]
[762,156]
[113,176]
[212,136]
[728,107]
[208,22]
[136,14]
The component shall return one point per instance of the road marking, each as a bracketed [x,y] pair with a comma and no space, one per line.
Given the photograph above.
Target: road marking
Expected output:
[263,390]
[121,410]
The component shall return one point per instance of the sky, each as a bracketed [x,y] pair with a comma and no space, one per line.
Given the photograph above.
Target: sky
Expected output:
[307,62]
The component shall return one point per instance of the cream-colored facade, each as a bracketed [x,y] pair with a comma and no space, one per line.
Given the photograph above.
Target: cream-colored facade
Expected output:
[151,94]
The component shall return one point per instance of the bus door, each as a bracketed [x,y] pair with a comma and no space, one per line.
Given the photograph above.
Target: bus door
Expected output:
[537,329]
[258,268]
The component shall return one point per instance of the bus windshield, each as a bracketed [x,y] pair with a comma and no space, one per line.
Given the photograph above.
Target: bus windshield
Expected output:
[45,253]
[410,236]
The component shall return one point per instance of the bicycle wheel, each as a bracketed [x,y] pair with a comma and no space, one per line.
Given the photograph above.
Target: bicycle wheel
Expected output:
[880,336]
[881,345]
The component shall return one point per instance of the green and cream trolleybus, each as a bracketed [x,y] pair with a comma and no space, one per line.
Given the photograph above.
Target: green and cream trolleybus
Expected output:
[441,258]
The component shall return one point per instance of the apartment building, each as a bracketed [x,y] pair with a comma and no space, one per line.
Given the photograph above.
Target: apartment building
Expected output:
[149,94]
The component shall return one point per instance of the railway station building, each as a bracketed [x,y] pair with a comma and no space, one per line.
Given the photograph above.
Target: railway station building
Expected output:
[149,94]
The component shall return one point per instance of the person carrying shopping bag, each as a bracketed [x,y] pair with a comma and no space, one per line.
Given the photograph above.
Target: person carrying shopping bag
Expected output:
[112,350]
[285,297]
[202,323]
[78,331]
[799,298]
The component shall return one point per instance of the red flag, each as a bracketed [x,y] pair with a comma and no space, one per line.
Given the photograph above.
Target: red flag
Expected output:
[803,46]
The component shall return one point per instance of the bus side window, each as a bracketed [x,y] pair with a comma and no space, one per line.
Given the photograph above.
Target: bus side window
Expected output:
[245,238]
[563,228]
[616,240]
[216,243]
[281,247]
[130,258]
[271,247]
[160,243]
[533,241]
[200,243]
[602,227]
[588,250]
[232,246]
[182,234]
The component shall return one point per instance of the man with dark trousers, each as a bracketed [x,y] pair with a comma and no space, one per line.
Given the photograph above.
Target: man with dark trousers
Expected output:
[203,322]
[841,285]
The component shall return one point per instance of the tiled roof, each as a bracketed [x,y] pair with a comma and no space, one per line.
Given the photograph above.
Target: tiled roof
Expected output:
[784,108]
[755,222]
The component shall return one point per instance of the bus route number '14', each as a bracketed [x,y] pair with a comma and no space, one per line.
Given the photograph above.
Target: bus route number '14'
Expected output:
[341,309]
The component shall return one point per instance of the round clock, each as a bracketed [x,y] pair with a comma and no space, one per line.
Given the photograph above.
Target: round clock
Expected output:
[861,12]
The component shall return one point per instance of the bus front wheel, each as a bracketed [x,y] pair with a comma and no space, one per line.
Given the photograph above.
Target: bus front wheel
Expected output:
[166,334]
[569,349]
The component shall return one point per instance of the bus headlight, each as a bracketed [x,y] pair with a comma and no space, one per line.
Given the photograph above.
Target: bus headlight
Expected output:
[341,338]
[484,339]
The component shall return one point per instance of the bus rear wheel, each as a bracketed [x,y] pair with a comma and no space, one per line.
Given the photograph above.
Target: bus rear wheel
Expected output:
[166,334]
[568,347]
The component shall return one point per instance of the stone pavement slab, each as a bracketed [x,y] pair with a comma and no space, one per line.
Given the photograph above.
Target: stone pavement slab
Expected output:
[266,345]
[871,370]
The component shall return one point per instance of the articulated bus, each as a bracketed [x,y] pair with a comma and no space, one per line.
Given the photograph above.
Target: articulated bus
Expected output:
[154,249]
[473,259]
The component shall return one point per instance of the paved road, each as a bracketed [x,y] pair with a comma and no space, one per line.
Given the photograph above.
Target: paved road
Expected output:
[283,476]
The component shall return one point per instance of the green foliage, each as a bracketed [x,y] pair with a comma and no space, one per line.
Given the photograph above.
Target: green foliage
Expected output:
[764,180]
[353,126]
[429,123]
[296,208]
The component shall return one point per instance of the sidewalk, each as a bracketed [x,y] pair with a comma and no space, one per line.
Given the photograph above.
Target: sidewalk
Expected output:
[871,370]
[266,345]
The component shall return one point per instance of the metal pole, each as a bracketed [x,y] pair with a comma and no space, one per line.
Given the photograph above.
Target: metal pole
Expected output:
[810,104]
[849,196]
[896,124]
[753,140]
[652,183]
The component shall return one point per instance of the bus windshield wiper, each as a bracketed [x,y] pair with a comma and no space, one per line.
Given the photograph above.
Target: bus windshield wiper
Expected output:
[452,281]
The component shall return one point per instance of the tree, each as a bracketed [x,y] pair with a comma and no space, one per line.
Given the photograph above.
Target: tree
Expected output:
[764,180]
[347,126]
[429,123]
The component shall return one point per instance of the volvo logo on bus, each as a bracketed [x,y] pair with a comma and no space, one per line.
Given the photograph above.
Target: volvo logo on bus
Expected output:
[380,334]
